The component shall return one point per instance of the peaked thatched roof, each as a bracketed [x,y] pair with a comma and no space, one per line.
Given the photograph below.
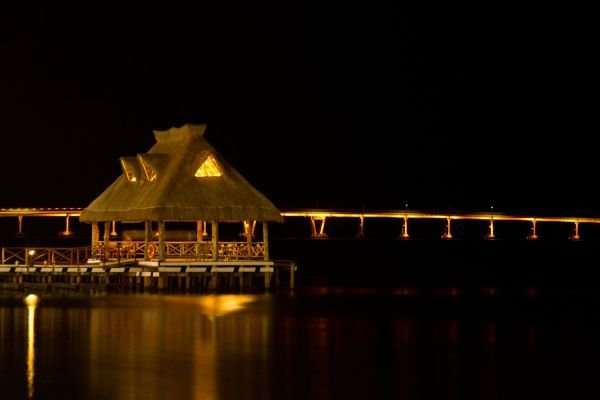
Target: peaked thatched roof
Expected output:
[161,185]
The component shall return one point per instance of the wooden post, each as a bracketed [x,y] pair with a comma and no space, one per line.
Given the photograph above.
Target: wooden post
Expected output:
[162,255]
[95,235]
[113,232]
[266,239]
[292,273]
[147,236]
[215,240]
[266,247]
[215,255]
[106,239]
[198,231]
[248,228]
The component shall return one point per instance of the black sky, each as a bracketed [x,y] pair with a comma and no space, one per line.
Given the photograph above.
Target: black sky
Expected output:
[339,106]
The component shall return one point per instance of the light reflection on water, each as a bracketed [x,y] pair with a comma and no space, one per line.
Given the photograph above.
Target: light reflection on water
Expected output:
[31,302]
[356,345]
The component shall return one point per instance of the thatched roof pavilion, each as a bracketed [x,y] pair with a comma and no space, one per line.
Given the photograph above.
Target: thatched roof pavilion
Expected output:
[181,178]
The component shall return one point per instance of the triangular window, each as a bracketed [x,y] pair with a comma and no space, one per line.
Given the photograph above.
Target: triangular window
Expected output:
[210,167]
[148,170]
[128,171]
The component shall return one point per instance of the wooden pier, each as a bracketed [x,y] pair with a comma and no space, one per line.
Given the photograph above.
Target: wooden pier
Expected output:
[73,268]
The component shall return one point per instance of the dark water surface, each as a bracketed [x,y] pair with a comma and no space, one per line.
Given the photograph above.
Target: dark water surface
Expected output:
[318,343]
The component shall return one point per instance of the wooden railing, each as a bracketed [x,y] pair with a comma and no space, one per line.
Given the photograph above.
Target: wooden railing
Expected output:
[192,251]
[46,255]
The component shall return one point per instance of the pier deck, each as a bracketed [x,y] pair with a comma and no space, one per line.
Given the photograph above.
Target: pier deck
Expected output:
[197,276]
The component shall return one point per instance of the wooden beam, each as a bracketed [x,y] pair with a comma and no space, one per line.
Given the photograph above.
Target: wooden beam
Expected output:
[215,240]
[266,239]
[95,235]
[147,236]
[198,231]
[106,238]
[162,255]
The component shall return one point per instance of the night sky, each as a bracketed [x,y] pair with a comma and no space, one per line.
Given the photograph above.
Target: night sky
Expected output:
[345,106]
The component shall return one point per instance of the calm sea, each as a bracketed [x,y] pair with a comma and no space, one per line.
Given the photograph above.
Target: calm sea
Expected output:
[321,342]
[370,320]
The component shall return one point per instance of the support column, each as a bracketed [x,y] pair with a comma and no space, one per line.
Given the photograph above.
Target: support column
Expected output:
[576,232]
[321,231]
[106,239]
[215,254]
[215,240]
[113,231]
[361,228]
[147,236]
[292,273]
[95,235]
[249,237]
[266,240]
[533,235]
[448,234]
[162,254]
[199,235]
[491,235]
[405,234]
[20,218]
[267,256]
[66,232]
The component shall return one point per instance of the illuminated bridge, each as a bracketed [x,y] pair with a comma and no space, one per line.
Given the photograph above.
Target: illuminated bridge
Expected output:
[318,219]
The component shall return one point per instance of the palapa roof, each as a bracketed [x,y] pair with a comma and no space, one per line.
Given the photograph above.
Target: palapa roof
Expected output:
[181,178]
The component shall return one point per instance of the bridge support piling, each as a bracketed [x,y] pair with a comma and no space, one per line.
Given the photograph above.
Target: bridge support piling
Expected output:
[448,233]
[575,235]
[361,228]
[490,235]
[405,234]
[533,235]
[313,225]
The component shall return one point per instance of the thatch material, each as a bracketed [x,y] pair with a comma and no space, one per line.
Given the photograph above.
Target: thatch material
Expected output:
[176,194]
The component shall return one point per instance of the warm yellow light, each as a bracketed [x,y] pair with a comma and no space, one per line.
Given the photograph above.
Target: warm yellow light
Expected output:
[217,306]
[128,172]
[208,168]
[31,252]
[31,300]
[148,170]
